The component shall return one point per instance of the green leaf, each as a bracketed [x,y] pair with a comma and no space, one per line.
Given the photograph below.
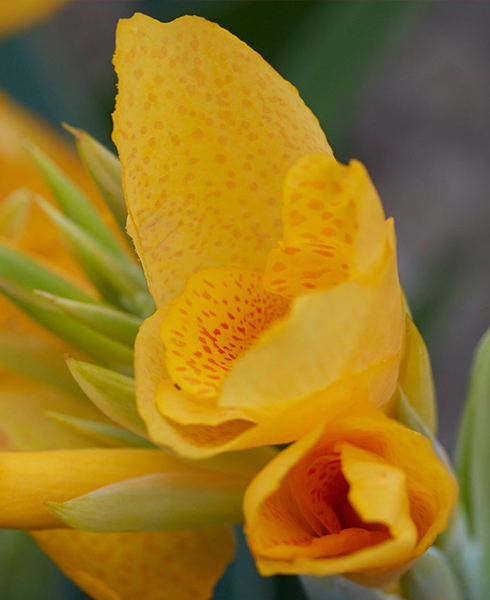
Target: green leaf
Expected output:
[32,357]
[74,204]
[118,281]
[472,463]
[117,325]
[112,393]
[105,170]
[77,335]
[161,501]
[338,588]
[329,58]
[20,270]
[26,573]
[430,578]
[14,211]
[102,433]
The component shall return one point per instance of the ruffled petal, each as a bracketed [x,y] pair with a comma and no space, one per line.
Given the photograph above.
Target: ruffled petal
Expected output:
[327,336]
[220,314]
[333,227]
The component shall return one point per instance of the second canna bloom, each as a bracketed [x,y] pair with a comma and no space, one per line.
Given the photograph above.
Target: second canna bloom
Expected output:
[360,495]
[272,265]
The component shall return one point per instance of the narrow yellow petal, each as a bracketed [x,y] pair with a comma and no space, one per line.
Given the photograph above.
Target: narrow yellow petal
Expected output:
[29,479]
[206,131]
[178,565]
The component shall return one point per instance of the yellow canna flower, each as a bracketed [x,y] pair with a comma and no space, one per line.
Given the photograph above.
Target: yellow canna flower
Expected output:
[359,495]
[271,264]
[278,306]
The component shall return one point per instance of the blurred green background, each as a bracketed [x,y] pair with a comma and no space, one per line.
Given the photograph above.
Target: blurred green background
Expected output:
[401,85]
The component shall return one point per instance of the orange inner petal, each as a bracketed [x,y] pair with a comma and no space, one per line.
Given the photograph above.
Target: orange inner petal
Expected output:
[219,315]
[310,514]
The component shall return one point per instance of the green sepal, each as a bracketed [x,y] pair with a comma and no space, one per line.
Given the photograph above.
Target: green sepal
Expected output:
[18,269]
[117,280]
[157,502]
[112,393]
[14,212]
[73,202]
[431,577]
[34,358]
[415,376]
[86,340]
[338,588]
[103,434]
[105,170]
[117,325]
[407,415]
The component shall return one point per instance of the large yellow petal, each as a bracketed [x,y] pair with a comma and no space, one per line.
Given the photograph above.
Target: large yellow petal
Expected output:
[15,16]
[29,479]
[176,565]
[206,131]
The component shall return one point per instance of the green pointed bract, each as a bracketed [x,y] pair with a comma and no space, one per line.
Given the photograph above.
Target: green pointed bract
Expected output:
[112,393]
[14,212]
[117,325]
[101,433]
[407,415]
[74,204]
[415,376]
[118,281]
[18,269]
[430,578]
[161,501]
[79,336]
[105,170]
[34,358]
